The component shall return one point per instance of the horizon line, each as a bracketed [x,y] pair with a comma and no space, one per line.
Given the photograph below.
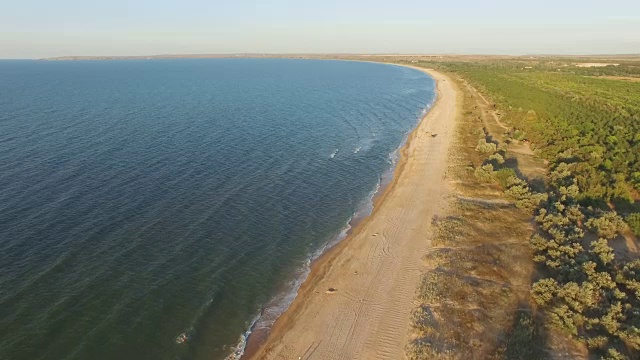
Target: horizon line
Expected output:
[327,54]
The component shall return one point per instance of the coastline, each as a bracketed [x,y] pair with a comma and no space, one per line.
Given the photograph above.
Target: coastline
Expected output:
[362,318]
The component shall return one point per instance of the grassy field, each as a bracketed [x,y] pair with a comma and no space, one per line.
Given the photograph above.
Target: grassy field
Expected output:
[547,177]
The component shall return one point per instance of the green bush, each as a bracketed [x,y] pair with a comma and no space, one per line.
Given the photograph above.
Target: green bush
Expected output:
[485,173]
[633,221]
[499,159]
[531,201]
[607,225]
[518,191]
[613,354]
[504,175]
[519,135]
[602,250]
[486,148]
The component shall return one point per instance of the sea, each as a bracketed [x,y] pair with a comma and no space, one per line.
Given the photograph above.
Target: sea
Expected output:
[164,209]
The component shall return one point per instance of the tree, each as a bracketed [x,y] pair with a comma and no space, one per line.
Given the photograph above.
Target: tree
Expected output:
[633,221]
[486,148]
[606,225]
[602,250]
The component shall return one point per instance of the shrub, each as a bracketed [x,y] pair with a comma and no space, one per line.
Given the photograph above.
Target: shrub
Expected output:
[633,221]
[499,159]
[516,181]
[519,135]
[597,342]
[629,275]
[631,336]
[560,172]
[569,192]
[613,354]
[531,201]
[504,175]
[524,340]
[602,250]
[564,319]
[525,199]
[485,173]
[518,191]
[607,225]
[611,320]
[486,148]
[544,291]
[574,214]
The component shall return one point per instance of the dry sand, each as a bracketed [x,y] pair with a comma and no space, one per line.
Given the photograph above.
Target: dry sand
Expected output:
[376,270]
[588,65]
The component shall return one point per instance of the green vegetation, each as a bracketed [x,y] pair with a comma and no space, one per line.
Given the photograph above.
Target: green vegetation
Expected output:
[592,125]
[634,223]
[586,292]
[588,129]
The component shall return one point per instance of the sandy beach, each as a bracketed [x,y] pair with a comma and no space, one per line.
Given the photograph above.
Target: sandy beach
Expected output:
[374,273]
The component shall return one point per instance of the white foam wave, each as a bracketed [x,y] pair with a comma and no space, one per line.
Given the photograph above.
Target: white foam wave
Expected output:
[238,349]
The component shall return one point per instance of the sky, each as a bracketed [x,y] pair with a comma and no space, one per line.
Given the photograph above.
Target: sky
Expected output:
[39,28]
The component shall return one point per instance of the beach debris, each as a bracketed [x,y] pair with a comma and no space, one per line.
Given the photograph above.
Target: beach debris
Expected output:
[182,338]
[434,134]
[374,234]
[355,273]
[331,291]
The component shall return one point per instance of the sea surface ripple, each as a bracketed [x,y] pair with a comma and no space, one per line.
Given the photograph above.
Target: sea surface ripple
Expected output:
[141,200]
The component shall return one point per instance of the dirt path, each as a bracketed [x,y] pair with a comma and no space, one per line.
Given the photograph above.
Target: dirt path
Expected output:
[376,270]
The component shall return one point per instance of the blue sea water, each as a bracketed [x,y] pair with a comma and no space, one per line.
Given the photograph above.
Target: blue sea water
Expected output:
[140,200]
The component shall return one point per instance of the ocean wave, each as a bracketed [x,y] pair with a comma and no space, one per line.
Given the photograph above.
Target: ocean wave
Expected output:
[275,307]
[238,349]
[281,302]
[203,211]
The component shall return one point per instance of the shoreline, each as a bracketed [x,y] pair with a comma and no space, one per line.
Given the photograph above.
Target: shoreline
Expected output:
[254,337]
[263,342]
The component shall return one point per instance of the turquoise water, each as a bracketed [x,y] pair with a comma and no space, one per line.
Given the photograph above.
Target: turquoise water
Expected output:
[142,200]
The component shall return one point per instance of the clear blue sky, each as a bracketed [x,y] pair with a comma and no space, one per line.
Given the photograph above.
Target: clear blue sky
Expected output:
[39,28]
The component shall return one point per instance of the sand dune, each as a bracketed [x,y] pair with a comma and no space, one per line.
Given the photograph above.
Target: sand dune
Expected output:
[375,271]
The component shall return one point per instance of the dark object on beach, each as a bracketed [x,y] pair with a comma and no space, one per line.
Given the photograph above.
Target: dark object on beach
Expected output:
[331,291]
[434,135]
